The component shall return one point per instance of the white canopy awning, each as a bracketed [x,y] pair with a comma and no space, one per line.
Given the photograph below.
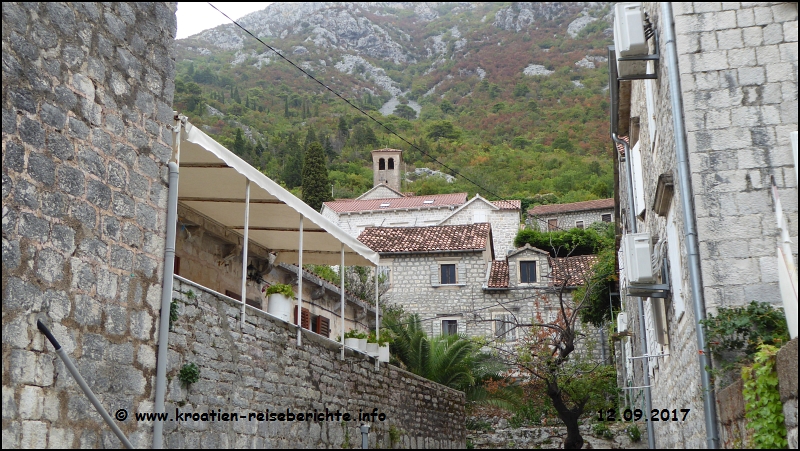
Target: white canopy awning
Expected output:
[213,182]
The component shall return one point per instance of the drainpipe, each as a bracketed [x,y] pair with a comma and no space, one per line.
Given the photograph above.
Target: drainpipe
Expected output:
[166,298]
[689,227]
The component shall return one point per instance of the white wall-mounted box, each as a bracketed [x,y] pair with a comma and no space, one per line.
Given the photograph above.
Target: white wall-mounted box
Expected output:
[629,38]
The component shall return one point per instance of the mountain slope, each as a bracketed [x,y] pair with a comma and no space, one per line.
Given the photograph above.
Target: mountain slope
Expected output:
[511,96]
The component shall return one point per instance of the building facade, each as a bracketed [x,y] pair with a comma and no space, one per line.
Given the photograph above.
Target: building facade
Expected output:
[449,276]
[738,91]
[573,215]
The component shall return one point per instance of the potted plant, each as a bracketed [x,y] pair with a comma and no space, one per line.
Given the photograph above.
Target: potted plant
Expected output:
[280,298]
[351,338]
[362,342]
[372,345]
[383,347]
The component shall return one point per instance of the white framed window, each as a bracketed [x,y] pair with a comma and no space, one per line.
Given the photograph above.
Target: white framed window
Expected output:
[448,272]
[504,326]
[479,216]
[606,217]
[578,224]
[638,180]
[675,268]
[552,224]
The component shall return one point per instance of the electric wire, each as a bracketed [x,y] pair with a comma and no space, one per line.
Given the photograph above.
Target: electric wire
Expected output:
[389,130]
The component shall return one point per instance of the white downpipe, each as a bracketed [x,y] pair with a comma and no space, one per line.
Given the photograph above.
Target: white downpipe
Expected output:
[244,247]
[341,272]
[166,294]
[300,288]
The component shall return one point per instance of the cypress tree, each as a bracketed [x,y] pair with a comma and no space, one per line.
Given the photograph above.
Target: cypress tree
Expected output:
[293,163]
[239,147]
[316,186]
[310,138]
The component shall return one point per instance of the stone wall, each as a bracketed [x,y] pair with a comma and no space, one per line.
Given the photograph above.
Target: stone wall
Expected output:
[567,220]
[87,95]
[260,367]
[739,92]
[786,366]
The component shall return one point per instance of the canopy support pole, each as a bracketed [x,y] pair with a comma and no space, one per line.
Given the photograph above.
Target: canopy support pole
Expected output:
[244,246]
[341,277]
[300,288]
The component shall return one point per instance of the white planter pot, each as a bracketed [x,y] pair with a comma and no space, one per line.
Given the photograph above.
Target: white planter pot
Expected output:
[362,345]
[372,349]
[383,353]
[351,343]
[280,306]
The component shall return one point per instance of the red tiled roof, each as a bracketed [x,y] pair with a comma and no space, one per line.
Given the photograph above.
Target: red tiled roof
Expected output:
[426,239]
[600,204]
[508,204]
[343,206]
[498,275]
[575,270]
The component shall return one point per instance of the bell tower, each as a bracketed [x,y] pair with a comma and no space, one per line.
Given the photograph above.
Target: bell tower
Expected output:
[386,167]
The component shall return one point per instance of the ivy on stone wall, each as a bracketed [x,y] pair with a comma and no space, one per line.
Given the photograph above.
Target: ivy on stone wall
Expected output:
[763,408]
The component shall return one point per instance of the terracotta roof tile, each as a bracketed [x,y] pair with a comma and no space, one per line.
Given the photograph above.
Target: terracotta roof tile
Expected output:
[344,206]
[426,239]
[498,275]
[600,204]
[575,270]
[508,204]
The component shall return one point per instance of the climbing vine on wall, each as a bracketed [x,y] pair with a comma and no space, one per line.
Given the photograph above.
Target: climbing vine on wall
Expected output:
[763,408]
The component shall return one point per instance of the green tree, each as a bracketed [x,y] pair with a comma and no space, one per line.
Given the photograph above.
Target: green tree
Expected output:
[239,147]
[442,129]
[405,111]
[344,130]
[316,187]
[446,106]
[521,90]
[293,163]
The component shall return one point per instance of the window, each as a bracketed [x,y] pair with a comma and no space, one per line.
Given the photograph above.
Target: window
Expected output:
[320,325]
[479,216]
[504,327]
[449,327]
[527,272]
[606,217]
[381,164]
[578,224]
[552,224]
[448,274]
[391,163]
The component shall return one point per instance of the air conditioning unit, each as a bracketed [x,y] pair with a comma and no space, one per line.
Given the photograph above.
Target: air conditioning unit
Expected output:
[622,322]
[637,258]
[629,38]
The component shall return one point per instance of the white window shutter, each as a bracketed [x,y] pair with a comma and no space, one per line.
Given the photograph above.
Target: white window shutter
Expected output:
[461,277]
[434,274]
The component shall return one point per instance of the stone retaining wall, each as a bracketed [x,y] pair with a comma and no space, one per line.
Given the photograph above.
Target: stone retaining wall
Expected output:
[261,367]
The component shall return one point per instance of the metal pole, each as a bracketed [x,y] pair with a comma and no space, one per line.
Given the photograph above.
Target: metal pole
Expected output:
[690,232]
[364,436]
[377,316]
[82,383]
[244,246]
[341,277]
[300,288]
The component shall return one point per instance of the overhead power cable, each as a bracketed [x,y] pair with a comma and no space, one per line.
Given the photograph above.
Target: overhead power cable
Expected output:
[389,130]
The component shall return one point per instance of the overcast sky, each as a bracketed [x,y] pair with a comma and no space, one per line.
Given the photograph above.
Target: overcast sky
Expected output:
[196,17]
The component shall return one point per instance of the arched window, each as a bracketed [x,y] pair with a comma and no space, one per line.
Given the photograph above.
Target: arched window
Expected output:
[381,164]
[391,163]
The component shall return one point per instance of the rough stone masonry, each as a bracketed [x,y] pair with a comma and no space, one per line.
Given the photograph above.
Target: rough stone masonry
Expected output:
[87,95]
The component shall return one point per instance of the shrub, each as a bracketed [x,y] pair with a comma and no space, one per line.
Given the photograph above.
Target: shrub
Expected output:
[189,374]
[281,288]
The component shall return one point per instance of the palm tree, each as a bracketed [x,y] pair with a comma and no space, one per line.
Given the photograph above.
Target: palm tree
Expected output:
[450,360]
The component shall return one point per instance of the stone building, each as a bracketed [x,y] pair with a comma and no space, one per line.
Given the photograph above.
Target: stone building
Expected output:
[573,215]
[386,167]
[737,92]
[450,277]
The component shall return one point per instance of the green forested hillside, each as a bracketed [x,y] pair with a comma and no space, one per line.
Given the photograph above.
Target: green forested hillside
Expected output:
[518,136]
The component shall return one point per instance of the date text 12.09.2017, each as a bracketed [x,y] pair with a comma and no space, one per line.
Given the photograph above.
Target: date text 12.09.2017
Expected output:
[637,414]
